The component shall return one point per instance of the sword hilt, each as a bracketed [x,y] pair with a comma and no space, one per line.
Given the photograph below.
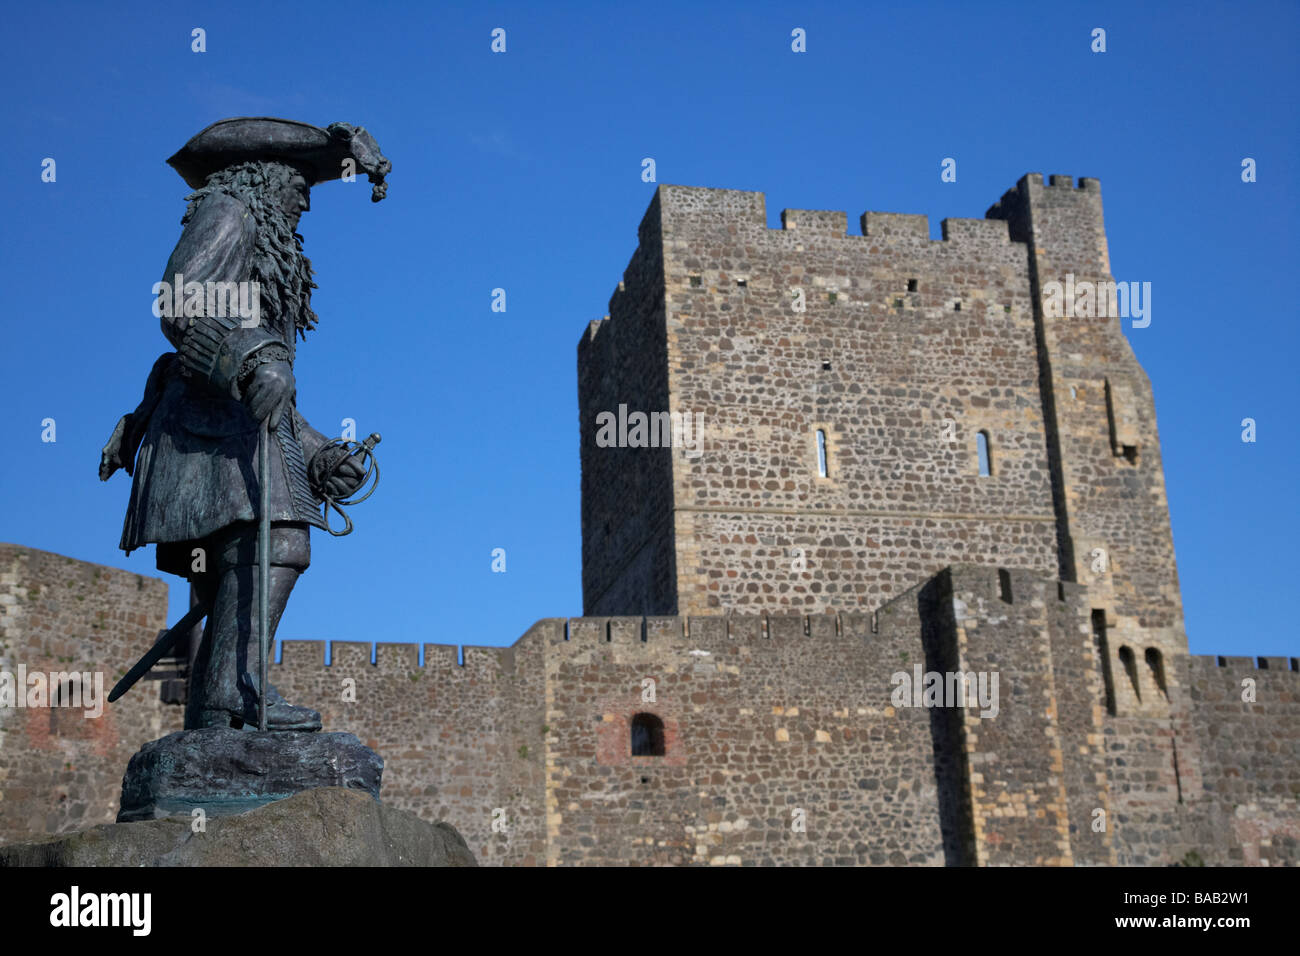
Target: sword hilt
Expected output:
[331,458]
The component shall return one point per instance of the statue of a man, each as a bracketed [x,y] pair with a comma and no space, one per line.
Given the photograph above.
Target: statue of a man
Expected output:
[195,493]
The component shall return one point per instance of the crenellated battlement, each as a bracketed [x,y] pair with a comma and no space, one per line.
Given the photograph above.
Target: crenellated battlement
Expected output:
[883,225]
[975,230]
[998,587]
[708,631]
[681,215]
[1211,663]
[1057,189]
[686,210]
[390,658]
[824,222]
[680,211]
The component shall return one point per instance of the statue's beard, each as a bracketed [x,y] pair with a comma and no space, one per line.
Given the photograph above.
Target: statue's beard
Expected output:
[282,272]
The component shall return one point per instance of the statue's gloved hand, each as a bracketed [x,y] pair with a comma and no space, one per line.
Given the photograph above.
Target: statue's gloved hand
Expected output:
[335,473]
[269,394]
[346,479]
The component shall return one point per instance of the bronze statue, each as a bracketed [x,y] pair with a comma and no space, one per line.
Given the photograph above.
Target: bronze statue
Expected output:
[229,477]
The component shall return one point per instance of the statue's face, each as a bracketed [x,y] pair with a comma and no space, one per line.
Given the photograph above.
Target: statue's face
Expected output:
[295,198]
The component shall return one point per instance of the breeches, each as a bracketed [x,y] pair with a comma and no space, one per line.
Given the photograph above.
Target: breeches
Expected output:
[236,546]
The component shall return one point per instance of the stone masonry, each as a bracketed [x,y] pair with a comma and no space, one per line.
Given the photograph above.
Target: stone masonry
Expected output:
[59,770]
[909,465]
[768,719]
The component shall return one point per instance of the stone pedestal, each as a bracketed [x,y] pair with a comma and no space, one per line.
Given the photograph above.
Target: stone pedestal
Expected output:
[329,827]
[228,771]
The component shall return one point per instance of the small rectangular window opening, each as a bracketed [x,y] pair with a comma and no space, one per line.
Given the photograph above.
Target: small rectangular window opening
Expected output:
[912,285]
[695,281]
[821,453]
[826,365]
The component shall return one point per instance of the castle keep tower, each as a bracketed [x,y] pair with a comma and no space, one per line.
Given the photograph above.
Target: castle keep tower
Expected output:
[878,408]
[874,408]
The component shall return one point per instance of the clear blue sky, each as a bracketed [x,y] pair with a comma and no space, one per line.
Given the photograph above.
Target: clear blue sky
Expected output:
[522,171]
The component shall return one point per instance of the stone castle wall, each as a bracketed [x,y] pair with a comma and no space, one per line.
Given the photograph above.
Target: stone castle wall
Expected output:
[784,743]
[628,560]
[1250,755]
[459,742]
[60,771]
[781,744]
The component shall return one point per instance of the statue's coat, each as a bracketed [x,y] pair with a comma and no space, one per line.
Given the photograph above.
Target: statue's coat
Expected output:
[196,470]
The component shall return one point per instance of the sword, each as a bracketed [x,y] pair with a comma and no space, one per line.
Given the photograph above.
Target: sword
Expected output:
[159,650]
[326,463]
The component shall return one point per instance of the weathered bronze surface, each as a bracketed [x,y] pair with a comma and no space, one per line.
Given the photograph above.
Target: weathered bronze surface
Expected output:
[234,299]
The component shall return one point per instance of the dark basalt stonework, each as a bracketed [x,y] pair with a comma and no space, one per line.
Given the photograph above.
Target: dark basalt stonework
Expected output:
[228,771]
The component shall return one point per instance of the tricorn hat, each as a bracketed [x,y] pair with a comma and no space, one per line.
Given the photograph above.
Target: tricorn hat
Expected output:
[321,153]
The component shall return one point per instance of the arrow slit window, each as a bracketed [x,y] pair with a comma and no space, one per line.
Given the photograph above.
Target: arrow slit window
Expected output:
[982,450]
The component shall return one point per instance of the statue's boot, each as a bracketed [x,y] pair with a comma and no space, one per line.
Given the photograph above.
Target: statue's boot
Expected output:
[223,687]
[280,714]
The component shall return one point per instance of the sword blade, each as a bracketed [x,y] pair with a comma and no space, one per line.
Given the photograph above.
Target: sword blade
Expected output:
[164,644]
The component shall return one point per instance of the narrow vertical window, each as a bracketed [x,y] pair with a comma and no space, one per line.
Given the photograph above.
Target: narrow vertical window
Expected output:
[821,453]
[1130,667]
[982,448]
[1103,653]
[1157,665]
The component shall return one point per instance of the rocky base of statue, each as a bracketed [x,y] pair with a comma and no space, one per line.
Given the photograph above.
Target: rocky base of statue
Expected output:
[226,771]
[328,827]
